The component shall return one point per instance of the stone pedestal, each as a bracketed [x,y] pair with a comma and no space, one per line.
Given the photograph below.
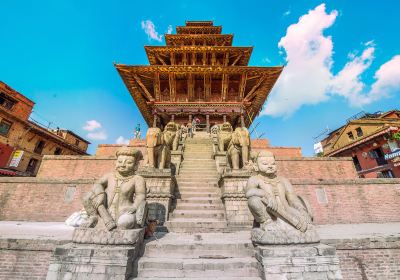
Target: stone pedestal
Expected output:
[176,159]
[96,261]
[309,261]
[233,185]
[220,161]
[160,192]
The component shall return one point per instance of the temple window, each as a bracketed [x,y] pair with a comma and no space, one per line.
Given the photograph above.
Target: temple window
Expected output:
[6,102]
[5,127]
[58,151]
[39,147]
[350,135]
[359,132]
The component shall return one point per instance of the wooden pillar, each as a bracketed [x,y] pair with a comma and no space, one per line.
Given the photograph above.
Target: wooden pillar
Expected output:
[224,118]
[155,120]
[208,123]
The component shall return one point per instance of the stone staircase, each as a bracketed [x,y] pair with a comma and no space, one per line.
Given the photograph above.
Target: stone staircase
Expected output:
[197,245]
[219,256]
[199,208]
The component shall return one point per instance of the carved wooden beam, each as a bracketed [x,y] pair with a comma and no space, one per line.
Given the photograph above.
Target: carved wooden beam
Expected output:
[172,55]
[213,59]
[226,59]
[253,91]
[190,86]
[184,58]
[172,86]
[237,59]
[204,58]
[207,85]
[193,58]
[225,81]
[157,89]
[160,59]
[242,85]
[146,92]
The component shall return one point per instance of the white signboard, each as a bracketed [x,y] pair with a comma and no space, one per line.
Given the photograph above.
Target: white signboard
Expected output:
[318,148]
[16,158]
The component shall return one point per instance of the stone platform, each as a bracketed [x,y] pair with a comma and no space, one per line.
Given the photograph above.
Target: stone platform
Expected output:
[309,262]
[105,237]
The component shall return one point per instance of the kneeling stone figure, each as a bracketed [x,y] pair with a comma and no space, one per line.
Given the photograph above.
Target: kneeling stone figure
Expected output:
[118,199]
[284,217]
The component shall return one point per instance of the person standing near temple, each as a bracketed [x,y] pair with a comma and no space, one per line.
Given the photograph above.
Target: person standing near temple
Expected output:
[190,129]
[137,131]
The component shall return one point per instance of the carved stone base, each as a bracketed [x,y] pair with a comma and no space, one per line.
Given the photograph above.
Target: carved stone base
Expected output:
[279,232]
[92,262]
[311,261]
[105,237]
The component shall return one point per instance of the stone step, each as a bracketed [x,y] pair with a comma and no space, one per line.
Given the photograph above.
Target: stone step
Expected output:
[198,200]
[199,278]
[182,268]
[195,225]
[185,195]
[201,245]
[197,206]
[190,188]
[204,176]
[206,214]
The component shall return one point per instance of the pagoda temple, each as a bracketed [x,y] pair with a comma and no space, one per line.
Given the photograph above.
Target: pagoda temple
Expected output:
[199,74]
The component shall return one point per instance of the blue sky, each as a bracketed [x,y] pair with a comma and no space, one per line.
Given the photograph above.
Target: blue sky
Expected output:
[340,57]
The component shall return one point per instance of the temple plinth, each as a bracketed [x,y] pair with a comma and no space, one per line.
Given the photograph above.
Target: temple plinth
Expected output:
[199,74]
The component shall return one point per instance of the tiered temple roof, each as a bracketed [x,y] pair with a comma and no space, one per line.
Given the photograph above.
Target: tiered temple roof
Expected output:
[200,74]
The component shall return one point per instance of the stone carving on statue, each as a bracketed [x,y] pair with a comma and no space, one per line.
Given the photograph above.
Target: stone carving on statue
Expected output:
[239,149]
[283,216]
[224,136]
[158,153]
[118,199]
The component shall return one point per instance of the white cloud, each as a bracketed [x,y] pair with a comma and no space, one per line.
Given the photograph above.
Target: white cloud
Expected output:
[121,140]
[308,78]
[169,31]
[266,60]
[150,29]
[98,135]
[91,125]
[288,12]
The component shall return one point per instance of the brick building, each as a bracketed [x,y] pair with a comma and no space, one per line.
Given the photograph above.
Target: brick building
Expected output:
[372,140]
[24,142]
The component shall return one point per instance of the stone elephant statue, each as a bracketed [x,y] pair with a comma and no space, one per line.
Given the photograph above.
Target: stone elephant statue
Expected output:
[239,148]
[158,153]
[224,136]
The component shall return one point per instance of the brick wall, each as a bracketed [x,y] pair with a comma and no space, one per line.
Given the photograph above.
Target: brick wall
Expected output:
[31,199]
[315,167]
[89,167]
[352,201]
[111,149]
[75,167]
[333,201]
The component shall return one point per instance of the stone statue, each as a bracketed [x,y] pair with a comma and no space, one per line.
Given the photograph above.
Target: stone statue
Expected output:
[239,148]
[283,216]
[224,136]
[171,135]
[118,199]
[158,153]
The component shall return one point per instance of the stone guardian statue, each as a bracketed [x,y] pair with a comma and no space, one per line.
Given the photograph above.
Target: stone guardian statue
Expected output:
[283,216]
[118,199]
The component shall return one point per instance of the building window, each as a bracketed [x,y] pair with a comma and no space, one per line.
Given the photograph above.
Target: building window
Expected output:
[359,132]
[378,155]
[32,165]
[357,163]
[39,147]
[6,102]
[58,151]
[5,127]
[76,142]
[393,146]
[350,135]
[385,174]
